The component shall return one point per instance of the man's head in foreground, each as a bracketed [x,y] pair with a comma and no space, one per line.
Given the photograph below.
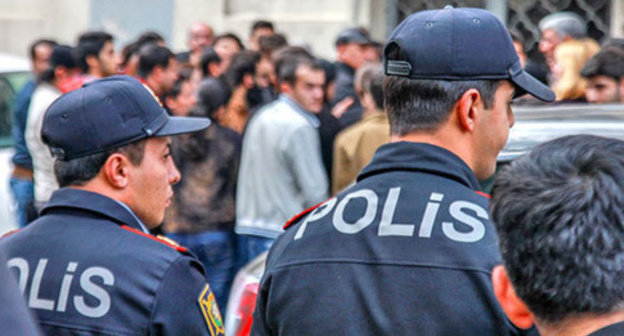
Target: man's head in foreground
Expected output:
[453,87]
[112,137]
[559,213]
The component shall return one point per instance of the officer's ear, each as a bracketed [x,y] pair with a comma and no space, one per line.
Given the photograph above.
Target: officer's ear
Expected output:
[516,310]
[116,170]
[468,108]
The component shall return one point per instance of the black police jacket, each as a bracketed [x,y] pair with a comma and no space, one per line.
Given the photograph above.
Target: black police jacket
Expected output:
[86,268]
[15,319]
[407,250]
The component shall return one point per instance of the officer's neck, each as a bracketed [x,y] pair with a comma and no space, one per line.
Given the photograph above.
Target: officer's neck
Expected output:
[445,136]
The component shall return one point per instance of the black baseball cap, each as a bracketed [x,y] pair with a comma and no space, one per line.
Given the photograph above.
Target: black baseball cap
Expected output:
[109,113]
[357,35]
[458,44]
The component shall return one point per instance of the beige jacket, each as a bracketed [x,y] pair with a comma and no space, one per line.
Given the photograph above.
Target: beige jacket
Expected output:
[354,147]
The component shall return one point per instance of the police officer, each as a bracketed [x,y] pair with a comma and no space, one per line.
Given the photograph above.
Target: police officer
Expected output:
[409,248]
[88,266]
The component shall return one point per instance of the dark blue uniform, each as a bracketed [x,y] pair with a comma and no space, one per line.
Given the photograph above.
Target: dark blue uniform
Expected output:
[86,268]
[408,250]
[15,319]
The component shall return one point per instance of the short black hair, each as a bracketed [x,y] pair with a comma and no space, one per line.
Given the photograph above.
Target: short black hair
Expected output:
[151,56]
[424,104]
[608,62]
[81,170]
[208,56]
[259,24]
[559,213]
[242,63]
[270,43]
[62,56]
[230,36]
[212,94]
[90,44]
[149,37]
[39,42]
[289,59]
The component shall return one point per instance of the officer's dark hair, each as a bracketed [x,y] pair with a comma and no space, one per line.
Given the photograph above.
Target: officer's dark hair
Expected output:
[208,57]
[151,56]
[270,43]
[90,44]
[260,24]
[81,170]
[39,42]
[230,36]
[424,104]
[242,63]
[608,62]
[559,213]
[289,59]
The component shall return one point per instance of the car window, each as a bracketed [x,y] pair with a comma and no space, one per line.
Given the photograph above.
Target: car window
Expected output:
[10,84]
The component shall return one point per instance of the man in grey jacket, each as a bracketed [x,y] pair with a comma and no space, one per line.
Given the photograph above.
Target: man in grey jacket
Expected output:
[281,170]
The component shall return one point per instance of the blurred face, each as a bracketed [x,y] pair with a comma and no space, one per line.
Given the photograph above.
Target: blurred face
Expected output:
[201,36]
[602,90]
[372,54]
[151,181]
[520,52]
[185,101]
[107,60]
[255,37]
[493,130]
[169,75]
[265,73]
[226,48]
[353,54]
[550,40]
[42,56]
[308,88]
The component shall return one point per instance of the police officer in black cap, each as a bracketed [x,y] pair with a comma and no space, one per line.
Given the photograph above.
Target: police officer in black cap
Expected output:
[88,265]
[408,250]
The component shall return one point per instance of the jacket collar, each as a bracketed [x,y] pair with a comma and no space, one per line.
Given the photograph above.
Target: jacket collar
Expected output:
[92,202]
[422,157]
[309,116]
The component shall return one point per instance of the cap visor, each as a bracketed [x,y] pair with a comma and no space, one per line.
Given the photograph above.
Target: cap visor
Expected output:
[180,125]
[527,83]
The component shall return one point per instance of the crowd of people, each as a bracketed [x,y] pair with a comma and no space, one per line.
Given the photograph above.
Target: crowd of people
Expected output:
[291,134]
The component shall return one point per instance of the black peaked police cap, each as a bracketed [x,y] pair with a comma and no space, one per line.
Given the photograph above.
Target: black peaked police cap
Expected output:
[458,44]
[108,113]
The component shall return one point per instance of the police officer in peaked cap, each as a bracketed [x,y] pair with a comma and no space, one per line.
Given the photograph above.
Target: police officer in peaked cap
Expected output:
[88,265]
[408,249]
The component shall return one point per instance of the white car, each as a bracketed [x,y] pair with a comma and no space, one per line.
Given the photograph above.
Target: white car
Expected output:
[14,72]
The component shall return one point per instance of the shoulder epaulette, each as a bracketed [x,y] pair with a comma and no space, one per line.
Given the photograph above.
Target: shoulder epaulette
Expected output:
[10,233]
[299,216]
[167,241]
[483,194]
